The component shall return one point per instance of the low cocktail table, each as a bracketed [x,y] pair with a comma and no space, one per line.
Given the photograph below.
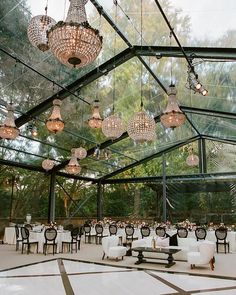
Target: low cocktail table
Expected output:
[167,251]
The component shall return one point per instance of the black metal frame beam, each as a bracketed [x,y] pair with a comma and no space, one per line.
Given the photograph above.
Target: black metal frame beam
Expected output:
[175,146]
[209,53]
[206,112]
[218,139]
[175,178]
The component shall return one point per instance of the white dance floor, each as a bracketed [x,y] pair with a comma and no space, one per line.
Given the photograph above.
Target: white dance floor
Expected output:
[68,277]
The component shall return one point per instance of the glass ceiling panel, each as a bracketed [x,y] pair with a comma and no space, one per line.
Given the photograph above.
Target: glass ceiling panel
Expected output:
[210,23]
[217,127]
[220,157]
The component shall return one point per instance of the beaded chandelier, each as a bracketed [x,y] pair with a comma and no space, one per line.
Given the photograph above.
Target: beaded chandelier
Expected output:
[73,166]
[8,129]
[141,127]
[37,31]
[80,153]
[95,121]
[74,42]
[48,164]
[113,127]
[172,116]
[55,123]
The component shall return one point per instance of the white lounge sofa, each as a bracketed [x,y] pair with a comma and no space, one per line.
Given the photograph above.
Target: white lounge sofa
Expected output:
[184,244]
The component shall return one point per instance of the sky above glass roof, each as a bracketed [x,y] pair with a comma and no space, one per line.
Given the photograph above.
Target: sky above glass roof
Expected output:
[205,23]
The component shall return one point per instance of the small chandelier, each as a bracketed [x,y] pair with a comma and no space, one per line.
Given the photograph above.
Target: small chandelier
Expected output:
[95,121]
[74,42]
[80,153]
[172,116]
[192,160]
[37,30]
[55,123]
[48,164]
[8,129]
[113,127]
[73,166]
[141,127]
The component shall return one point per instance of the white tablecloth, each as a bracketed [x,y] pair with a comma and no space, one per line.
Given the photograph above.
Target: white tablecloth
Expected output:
[39,236]
[9,235]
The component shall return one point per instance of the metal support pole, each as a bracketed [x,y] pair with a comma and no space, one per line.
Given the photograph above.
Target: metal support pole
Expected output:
[51,199]
[12,196]
[164,186]
[99,201]
[202,155]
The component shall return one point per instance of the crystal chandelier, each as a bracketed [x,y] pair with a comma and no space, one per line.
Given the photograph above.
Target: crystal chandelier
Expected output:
[141,127]
[74,42]
[95,121]
[73,166]
[172,116]
[48,164]
[192,160]
[55,123]
[113,127]
[37,31]
[80,153]
[8,129]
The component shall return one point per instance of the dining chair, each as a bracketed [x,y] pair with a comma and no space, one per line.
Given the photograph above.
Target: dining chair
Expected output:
[50,236]
[145,231]
[28,226]
[73,241]
[200,233]
[113,229]
[87,233]
[160,231]
[111,249]
[221,238]
[18,238]
[26,241]
[129,232]
[99,233]
[182,232]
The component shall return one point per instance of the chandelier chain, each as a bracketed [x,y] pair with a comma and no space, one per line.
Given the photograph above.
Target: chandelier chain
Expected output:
[114,53]
[141,78]
[171,61]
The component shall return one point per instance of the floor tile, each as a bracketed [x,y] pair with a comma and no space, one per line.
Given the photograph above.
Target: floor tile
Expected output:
[128,283]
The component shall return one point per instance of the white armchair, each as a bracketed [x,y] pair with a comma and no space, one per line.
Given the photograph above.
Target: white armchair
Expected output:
[204,256]
[111,249]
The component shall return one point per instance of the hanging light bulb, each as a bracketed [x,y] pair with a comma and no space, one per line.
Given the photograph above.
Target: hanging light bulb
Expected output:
[8,129]
[55,123]
[48,164]
[73,166]
[192,160]
[74,42]
[80,153]
[37,30]
[95,121]
[172,116]
[34,131]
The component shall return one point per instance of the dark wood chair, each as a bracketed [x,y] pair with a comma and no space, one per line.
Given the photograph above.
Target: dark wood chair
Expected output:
[26,241]
[50,236]
[18,237]
[129,232]
[113,229]
[221,238]
[145,231]
[87,234]
[28,226]
[160,231]
[99,233]
[74,241]
[182,232]
[200,233]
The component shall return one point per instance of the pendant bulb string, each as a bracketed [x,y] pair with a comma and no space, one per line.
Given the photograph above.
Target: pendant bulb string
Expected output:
[13,82]
[149,79]
[141,80]
[114,53]
[64,11]
[46,8]
[171,62]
